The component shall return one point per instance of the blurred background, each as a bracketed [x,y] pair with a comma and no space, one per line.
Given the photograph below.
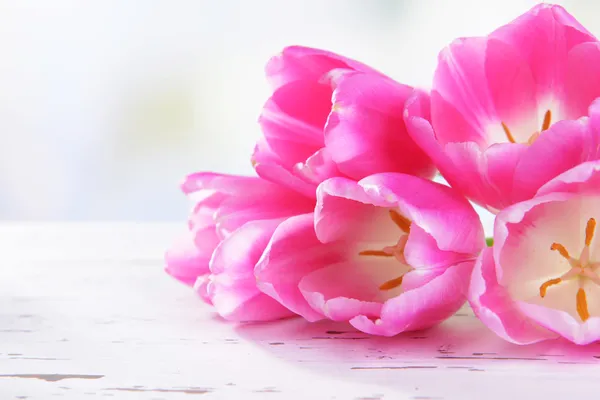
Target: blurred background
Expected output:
[106,105]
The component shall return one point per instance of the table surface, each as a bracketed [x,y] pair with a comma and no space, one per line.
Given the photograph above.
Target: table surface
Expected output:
[86,311]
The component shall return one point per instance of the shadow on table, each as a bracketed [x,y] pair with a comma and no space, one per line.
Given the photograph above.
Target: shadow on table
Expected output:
[458,348]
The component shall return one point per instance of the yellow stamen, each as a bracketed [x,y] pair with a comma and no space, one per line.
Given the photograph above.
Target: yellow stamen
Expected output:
[561,249]
[400,220]
[582,308]
[509,135]
[547,121]
[589,231]
[547,284]
[533,138]
[391,284]
[379,253]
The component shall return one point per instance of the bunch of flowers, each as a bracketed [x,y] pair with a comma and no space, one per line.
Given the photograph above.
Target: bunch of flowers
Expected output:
[342,220]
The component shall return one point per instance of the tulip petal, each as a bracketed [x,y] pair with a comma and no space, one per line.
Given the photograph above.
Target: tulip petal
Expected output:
[203,288]
[345,210]
[275,203]
[223,183]
[421,201]
[565,145]
[563,323]
[417,119]
[421,307]
[344,290]
[293,252]
[276,173]
[293,120]
[584,178]
[544,36]
[185,261]
[233,290]
[517,237]
[583,81]
[479,84]
[317,167]
[492,304]
[421,251]
[307,64]
[365,132]
[460,82]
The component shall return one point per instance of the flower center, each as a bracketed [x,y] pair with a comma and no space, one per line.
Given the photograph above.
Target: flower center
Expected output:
[582,269]
[545,125]
[396,250]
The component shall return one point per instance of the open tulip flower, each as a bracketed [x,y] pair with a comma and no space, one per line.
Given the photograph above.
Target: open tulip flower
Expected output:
[541,279]
[332,116]
[390,253]
[508,111]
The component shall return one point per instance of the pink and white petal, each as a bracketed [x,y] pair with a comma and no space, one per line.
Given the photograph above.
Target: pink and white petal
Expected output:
[293,252]
[417,118]
[347,289]
[240,251]
[293,120]
[277,174]
[583,81]
[421,307]
[233,290]
[419,277]
[345,210]
[563,323]
[465,176]
[318,167]
[513,92]
[594,114]
[257,308]
[520,231]
[492,304]
[205,241]
[435,208]
[262,153]
[202,214]
[223,183]
[501,161]
[544,36]
[584,178]
[203,288]
[278,202]
[422,252]
[365,132]
[468,173]
[185,261]
[305,63]
[565,145]
[461,105]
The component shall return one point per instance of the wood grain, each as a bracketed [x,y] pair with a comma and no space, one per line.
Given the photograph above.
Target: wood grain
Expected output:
[86,311]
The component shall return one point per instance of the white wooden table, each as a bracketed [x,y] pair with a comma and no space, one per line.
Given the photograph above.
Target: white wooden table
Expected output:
[87,312]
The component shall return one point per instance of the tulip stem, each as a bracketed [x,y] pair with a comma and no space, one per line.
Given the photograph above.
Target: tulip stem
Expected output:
[489,241]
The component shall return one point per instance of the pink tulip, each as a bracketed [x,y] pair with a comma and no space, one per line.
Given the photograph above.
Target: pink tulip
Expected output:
[508,111]
[231,223]
[390,253]
[332,116]
[540,280]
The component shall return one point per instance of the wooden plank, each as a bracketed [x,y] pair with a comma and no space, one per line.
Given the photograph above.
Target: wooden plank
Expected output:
[117,326]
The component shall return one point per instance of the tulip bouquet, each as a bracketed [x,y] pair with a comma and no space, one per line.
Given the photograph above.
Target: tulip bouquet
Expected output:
[343,222]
